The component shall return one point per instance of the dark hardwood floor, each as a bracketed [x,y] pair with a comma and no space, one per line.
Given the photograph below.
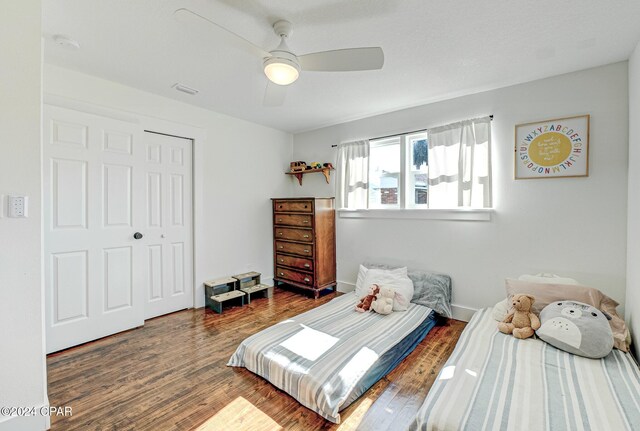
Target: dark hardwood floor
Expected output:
[172,375]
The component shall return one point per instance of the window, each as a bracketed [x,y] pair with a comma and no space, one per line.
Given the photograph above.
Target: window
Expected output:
[399,172]
[384,173]
[447,167]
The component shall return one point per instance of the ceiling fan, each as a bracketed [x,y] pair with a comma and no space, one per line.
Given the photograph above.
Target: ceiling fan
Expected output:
[281,66]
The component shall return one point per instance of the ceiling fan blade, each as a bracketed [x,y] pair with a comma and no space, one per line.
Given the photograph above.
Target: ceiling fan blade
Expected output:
[343,60]
[193,19]
[274,94]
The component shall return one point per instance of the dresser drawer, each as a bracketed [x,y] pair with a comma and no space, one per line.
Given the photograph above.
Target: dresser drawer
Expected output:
[296,262]
[290,274]
[305,235]
[293,248]
[303,220]
[302,206]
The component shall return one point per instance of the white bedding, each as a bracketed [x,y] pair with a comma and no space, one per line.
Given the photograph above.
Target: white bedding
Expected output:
[494,381]
[321,356]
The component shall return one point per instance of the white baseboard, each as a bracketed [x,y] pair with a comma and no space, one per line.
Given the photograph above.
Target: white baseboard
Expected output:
[345,287]
[459,312]
[25,423]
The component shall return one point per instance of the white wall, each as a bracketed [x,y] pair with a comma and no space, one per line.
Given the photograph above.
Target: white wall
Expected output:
[574,226]
[22,359]
[239,168]
[633,227]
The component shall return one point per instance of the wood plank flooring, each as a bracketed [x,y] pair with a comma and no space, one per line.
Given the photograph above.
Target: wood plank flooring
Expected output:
[172,375]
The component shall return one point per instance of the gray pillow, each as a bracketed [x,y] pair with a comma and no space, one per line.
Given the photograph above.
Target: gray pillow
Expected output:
[576,328]
[431,290]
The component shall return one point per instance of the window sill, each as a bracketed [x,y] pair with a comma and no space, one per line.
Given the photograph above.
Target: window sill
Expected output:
[420,214]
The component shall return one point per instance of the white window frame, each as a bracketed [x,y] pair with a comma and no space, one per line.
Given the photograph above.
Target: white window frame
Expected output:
[420,211]
[406,166]
[403,141]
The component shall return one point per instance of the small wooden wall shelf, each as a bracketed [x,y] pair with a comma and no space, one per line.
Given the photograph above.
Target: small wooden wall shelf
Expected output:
[325,171]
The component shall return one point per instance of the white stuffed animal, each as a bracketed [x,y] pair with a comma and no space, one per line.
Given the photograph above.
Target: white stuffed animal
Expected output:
[383,304]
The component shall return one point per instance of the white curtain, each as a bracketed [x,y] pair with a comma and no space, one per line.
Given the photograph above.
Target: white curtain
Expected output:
[460,164]
[352,175]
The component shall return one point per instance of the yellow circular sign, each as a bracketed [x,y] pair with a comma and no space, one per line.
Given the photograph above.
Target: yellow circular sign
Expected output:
[550,149]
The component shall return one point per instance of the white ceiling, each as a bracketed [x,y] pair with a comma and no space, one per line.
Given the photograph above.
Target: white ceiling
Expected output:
[434,49]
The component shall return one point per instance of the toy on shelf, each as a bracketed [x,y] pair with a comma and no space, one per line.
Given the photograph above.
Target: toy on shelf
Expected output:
[222,290]
[298,169]
[249,283]
[298,166]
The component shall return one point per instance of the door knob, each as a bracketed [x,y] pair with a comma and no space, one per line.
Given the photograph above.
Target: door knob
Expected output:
[137,235]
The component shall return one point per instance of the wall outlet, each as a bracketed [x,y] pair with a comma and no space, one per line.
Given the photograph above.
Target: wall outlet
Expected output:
[18,206]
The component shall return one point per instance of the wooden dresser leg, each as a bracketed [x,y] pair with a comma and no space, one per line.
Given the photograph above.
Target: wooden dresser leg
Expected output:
[316,294]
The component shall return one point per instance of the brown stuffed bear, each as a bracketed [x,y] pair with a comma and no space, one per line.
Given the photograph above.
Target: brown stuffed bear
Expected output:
[365,303]
[520,321]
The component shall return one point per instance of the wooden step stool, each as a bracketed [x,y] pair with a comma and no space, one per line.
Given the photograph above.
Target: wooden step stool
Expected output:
[221,290]
[250,283]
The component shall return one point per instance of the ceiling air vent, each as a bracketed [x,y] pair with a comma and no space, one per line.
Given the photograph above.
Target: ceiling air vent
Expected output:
[185,89]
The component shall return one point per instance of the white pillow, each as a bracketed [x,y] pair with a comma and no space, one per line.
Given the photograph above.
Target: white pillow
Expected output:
[401,284]
[362,289]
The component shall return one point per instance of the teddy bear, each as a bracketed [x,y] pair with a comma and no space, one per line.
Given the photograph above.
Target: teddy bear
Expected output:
[383,303]
[365,303]
[520,321]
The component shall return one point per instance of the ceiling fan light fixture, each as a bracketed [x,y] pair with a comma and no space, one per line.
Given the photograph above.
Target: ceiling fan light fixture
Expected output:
[281,71]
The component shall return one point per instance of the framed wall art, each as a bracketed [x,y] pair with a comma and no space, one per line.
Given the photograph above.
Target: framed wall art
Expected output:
[553,148]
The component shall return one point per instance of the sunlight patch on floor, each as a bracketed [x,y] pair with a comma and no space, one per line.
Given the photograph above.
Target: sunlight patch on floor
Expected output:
[240,415]
[354,419]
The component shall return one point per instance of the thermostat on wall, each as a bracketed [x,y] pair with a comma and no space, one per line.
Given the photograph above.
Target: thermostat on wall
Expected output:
[18,206]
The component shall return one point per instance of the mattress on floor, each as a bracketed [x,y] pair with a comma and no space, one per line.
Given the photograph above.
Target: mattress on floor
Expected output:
[327,357]
[495,381]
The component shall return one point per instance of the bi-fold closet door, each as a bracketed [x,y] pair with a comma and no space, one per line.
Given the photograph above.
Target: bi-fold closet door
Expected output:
[117,226]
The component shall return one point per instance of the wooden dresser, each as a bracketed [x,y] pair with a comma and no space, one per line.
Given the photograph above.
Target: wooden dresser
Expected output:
[304,244]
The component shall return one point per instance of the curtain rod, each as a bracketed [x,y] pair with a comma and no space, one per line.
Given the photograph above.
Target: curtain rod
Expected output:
[403,133]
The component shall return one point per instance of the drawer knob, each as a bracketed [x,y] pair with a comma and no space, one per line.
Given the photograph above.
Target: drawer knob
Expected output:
[305,236]
[280,220]
[306,265]
[306,279]
[281,260]
[280,234]
[282,274]
[306,251]
[281,247]
[279,206]
[306,221]
[305,206]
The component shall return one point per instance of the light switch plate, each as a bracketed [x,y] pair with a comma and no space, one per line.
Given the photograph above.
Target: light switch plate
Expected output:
[18,206]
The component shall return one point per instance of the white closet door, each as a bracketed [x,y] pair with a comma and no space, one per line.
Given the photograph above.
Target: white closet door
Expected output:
[93,203]
[168,244]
